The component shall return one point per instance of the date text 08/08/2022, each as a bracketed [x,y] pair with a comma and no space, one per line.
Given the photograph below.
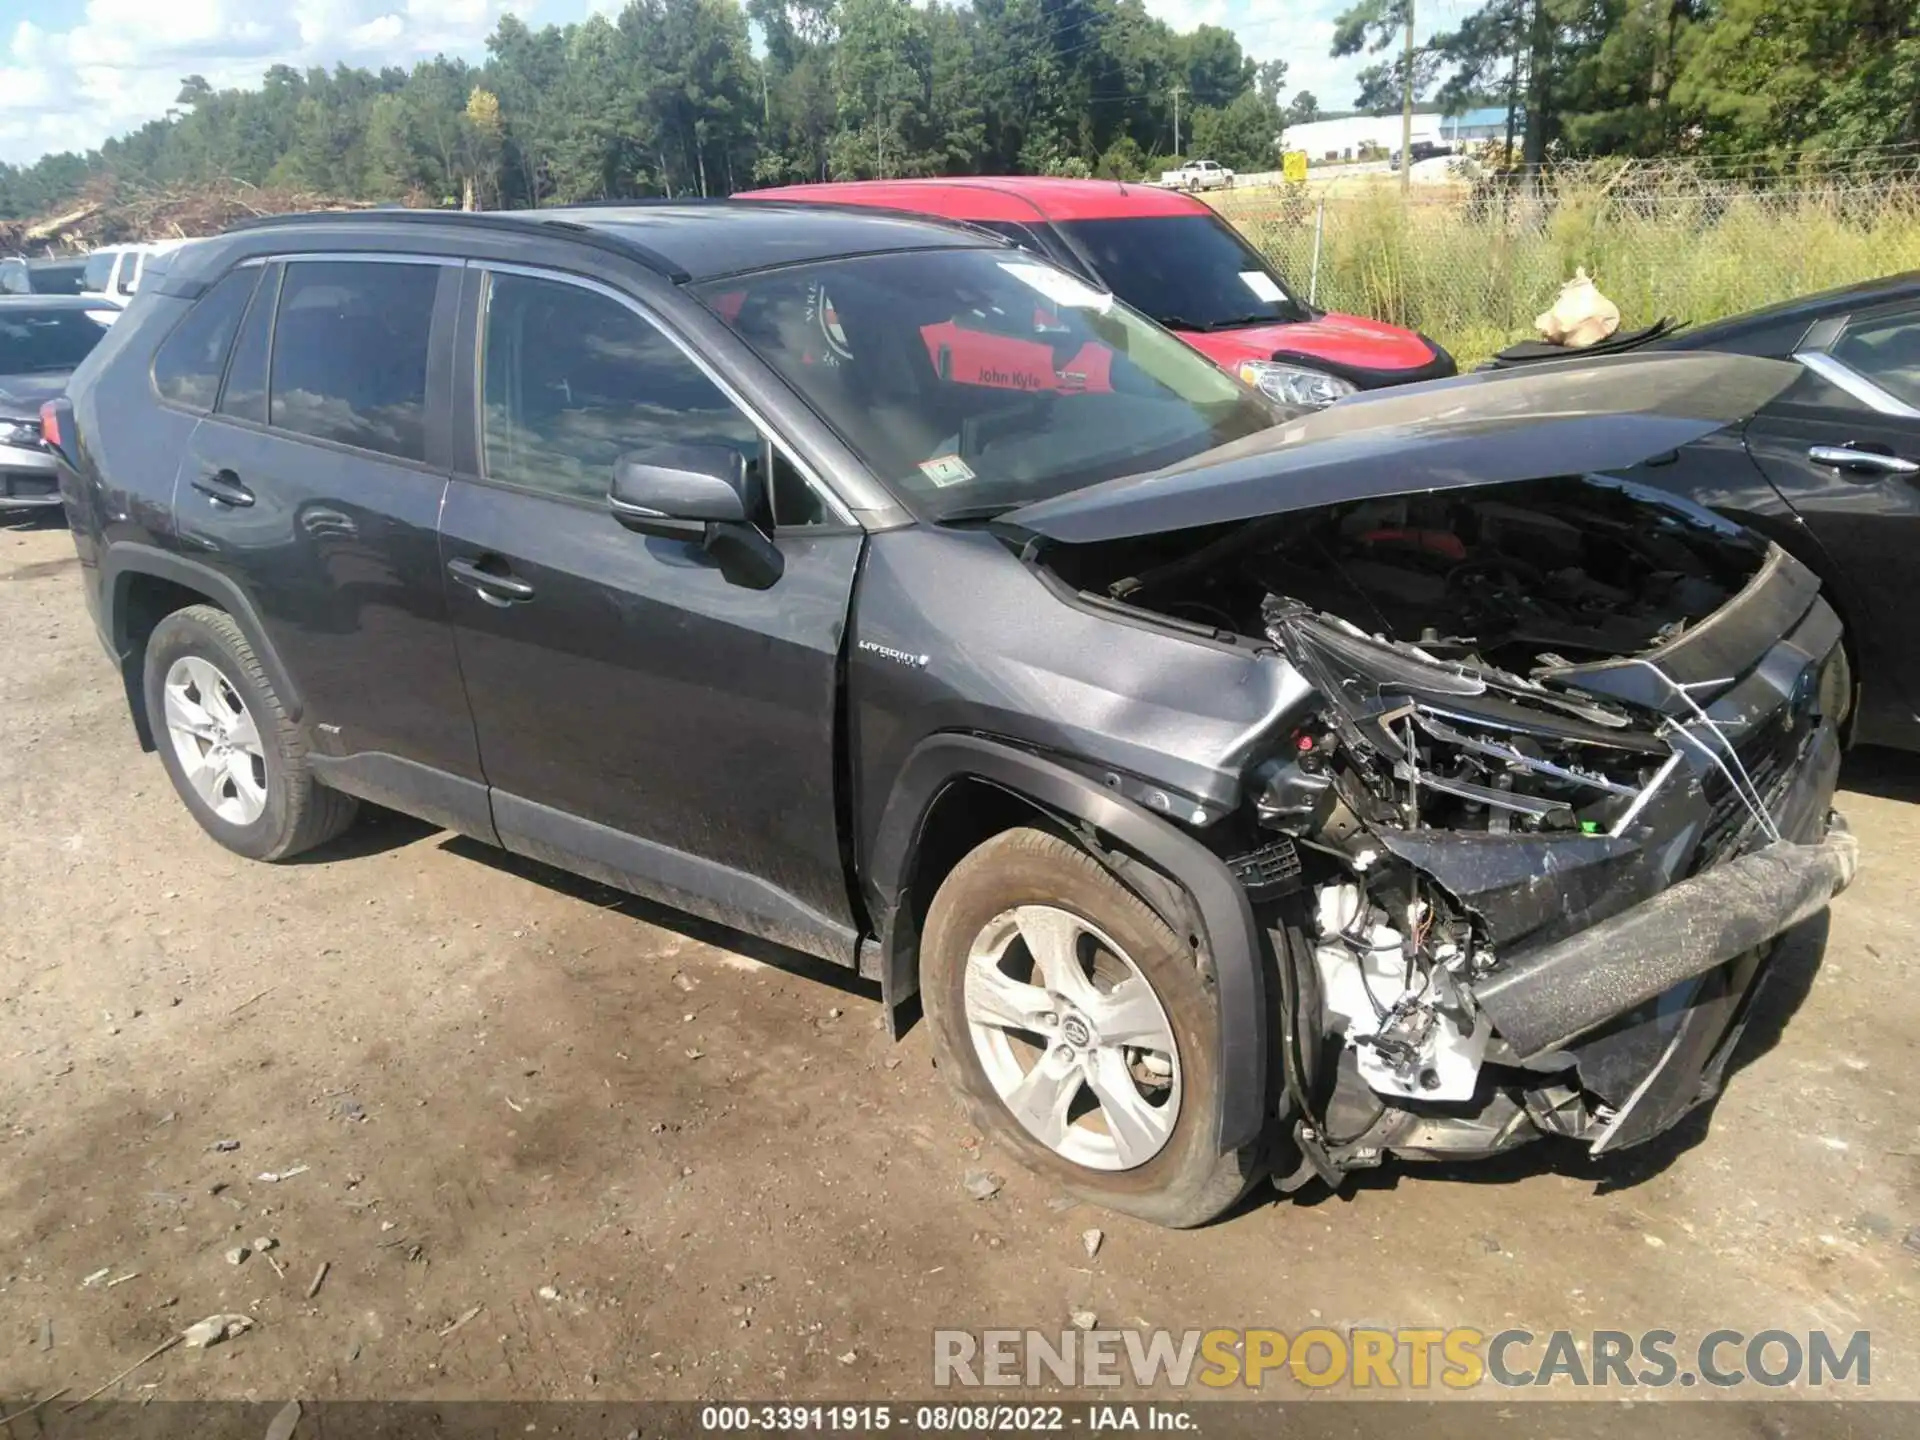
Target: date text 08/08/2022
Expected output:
[946,1419]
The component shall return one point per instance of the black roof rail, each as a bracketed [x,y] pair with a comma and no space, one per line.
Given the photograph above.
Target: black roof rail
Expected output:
[477,219]
[897,212]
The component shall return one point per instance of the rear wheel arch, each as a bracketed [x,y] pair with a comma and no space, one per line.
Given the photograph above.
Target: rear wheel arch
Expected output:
[141,585]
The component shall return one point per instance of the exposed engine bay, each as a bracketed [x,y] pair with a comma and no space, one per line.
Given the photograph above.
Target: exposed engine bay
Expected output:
[1473,786]
[1517,576]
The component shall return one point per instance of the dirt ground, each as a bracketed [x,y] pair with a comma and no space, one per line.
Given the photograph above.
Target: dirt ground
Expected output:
[651,1159]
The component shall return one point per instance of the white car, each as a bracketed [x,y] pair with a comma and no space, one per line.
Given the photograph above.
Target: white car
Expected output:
[1198,175]
[113,274]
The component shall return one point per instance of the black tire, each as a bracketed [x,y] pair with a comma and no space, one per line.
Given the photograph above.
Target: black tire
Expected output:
[300,812]
[1188,1182]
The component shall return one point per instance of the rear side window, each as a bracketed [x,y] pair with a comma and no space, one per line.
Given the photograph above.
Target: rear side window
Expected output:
[350,354]
[187,368]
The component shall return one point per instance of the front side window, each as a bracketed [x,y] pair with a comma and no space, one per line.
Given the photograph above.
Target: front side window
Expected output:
[1189,272]
[350,354]
[980,379]
[187,368]
[574,380]
[1887,351]
[45,342]
[14,277]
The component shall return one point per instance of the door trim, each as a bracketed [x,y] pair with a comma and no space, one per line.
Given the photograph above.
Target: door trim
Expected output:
[671,877]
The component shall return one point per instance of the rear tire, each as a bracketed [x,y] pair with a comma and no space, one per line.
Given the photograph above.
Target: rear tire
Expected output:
[1094,945]
[236,759]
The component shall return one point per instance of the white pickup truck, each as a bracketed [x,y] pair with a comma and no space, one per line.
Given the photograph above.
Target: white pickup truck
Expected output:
[1198,175]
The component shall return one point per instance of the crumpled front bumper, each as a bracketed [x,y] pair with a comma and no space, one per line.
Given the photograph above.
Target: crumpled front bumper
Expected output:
[1649,1005]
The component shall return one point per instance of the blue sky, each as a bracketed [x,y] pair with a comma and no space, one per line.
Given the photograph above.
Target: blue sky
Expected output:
[73,72]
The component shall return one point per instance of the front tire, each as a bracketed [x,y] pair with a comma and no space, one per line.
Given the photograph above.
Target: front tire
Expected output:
[1078,1031]
[237,760]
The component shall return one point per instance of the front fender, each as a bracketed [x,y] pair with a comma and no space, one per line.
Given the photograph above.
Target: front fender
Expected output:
[1232,941]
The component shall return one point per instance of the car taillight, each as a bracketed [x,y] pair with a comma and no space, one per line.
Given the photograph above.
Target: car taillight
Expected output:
[50,425]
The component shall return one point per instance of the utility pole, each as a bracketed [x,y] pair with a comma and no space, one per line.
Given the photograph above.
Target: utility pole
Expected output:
[1406,108]
[1177,93]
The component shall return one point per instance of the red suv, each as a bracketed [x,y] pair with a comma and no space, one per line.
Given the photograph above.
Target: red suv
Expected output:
[1169,256]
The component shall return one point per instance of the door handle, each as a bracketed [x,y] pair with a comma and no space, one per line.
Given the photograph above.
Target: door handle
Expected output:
[223,487]
[1846,457]
[495,589]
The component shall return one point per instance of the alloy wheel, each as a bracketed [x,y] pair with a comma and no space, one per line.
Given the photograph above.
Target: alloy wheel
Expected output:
[1072,1037]
[216,740]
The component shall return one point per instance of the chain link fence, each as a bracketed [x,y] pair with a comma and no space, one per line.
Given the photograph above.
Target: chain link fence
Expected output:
[1472,259]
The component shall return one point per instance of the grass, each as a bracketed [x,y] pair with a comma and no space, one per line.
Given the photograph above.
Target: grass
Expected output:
[1474,278]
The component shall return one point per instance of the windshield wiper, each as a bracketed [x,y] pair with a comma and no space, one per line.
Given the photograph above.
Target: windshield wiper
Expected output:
[963,514]
[1236,321]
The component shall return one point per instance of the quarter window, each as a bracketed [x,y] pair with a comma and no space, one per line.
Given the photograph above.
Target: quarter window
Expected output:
[350,354]
[574,380]
[1887,352]
[187,368]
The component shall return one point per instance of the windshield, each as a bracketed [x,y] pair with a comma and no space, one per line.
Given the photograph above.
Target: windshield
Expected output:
[972,381]
[1189,272]
[45,342]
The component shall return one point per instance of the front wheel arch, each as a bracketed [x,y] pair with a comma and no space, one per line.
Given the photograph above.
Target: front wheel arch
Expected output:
[1221,917]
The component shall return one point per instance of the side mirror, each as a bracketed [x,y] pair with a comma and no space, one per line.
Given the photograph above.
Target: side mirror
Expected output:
[703,493]
[678,490]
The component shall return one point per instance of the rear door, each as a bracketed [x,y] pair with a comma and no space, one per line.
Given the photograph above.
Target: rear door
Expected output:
[1843,448]
[641,717]
[316,485]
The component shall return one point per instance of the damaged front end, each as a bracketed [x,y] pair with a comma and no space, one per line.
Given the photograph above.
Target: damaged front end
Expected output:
[1562,774]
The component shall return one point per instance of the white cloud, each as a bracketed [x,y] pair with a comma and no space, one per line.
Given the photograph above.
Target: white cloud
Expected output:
[121,64]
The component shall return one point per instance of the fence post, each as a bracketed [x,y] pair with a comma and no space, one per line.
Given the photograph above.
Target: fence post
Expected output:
[1313,276]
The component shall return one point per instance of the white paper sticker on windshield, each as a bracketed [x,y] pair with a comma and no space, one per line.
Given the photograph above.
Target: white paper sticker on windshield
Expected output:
[1058,286]
[945,470]
[1261,284]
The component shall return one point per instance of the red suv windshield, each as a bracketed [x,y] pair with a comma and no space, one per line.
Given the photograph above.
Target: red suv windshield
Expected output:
[1189,272]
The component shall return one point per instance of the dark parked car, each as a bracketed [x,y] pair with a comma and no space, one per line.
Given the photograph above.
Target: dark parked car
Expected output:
[20,276]
[42,339]
[1227,791]
[1831,470]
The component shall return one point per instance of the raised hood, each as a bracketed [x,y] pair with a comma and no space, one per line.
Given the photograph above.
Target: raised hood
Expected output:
[1499,427]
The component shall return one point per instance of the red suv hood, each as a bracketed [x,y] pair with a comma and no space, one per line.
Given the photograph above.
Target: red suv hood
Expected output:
[1365,351]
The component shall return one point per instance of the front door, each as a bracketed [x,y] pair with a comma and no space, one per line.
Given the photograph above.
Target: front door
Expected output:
[641,717]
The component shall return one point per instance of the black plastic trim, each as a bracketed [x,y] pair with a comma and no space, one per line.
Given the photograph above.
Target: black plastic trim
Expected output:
[1439,367]
[126,558]
[1231,937]
[451,801]
[672,877]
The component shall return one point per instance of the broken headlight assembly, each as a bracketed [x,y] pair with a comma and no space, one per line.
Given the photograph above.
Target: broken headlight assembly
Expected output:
[1411,742]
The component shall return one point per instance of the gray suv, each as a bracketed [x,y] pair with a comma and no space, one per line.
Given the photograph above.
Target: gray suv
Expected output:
[1238,792]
